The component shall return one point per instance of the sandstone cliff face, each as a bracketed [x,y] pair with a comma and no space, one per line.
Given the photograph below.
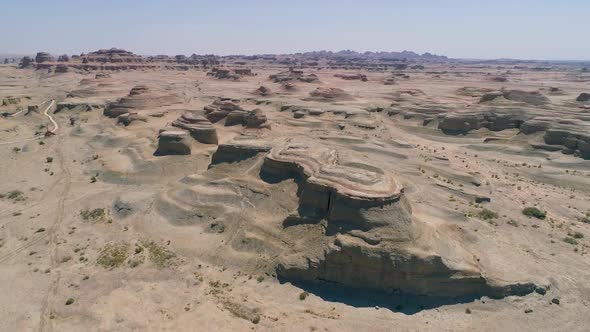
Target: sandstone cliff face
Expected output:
[369,238]
[496,120]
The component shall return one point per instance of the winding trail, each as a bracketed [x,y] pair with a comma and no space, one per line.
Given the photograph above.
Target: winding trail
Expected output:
[55,127]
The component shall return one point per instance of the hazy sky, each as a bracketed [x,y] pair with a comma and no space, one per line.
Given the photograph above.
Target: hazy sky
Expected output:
[525,29]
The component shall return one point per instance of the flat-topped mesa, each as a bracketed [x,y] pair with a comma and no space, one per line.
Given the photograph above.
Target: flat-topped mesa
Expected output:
[234,114]
[140,97]
[319,167]
[113,55]
[198,126]
[293,75]
[173,142]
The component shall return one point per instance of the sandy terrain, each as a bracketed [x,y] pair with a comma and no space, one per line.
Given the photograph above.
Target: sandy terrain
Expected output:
[100,233]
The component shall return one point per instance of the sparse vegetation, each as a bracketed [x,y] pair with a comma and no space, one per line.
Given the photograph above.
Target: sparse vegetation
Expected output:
[512,223]
[159,255]
[94,215]
[113,255]
[15,195]
[570,240]
[70,301]
[534,212]
[486,214]
[49,159]
[303,295]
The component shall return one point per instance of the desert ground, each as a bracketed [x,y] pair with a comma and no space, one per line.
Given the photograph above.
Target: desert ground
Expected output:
[451,196]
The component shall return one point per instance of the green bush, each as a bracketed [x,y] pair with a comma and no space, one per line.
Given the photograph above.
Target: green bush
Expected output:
[534,212]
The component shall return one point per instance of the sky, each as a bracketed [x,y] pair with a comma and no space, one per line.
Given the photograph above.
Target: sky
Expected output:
[518,29]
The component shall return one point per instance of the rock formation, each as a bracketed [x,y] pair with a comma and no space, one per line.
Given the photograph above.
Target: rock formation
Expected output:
[533,98]
[293,75]
[370,240]
[234,114]
[574,139]
[25,62]
[173,142]
[113,55]
[496,120]
[327,94]
[61,68]
[128,118]
[239,149]
[140,97]
[263,91]
[198,126]
[44,57]
[583,97]
[360,77]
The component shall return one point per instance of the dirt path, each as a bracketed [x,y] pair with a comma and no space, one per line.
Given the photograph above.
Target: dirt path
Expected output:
[53,239]
[55,127]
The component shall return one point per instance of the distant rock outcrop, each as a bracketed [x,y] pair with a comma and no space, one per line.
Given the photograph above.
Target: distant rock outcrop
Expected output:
[140,97]
[230,74]
[533,98]
[327,94]
[44,57]
[26,62]
[113,55]
[293,75]
[359,77]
